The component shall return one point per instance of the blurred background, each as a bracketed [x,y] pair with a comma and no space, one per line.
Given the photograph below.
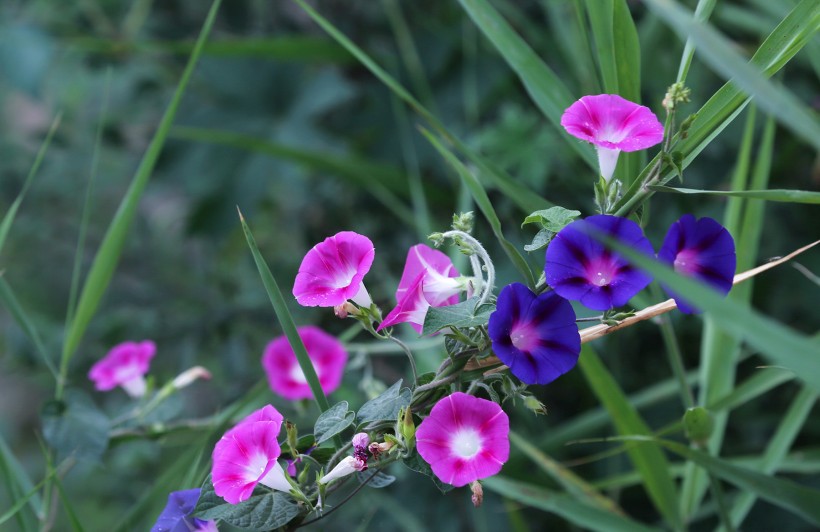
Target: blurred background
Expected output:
[281,122]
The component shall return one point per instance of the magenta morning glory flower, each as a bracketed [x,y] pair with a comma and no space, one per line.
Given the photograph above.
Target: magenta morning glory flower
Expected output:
[579,267]
[464,438]
[176,517]
[350,464]
[614,125]
[284,373]
[536,336]
[702,249]
[247,455]
[332,271]
[124,365]
[429,280]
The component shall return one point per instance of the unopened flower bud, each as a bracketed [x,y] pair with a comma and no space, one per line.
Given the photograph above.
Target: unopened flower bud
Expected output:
[376,449]
[478,493]
[293,438]
[675,94]
[189,376]
[408,428]
[698,424]
[463,221]
[436,238]
[534,405]
[346,309]
[347,466]
[361,440]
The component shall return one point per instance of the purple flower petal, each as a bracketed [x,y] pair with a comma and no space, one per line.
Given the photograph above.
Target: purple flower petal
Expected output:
[609,121]
[535,336]
[332,271]
[579,267]
[464,438]
[702,249]
[176,517]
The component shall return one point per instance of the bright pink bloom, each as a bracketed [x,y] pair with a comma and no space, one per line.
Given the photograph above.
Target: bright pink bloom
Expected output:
[332,271]
[124,365]
[614,125]
[429,280]
[464,439]
[247,455]
[284,373]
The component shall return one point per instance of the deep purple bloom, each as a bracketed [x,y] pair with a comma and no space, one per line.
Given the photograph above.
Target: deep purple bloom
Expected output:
[535,336]
[702,249]
[579,267]
[176,517]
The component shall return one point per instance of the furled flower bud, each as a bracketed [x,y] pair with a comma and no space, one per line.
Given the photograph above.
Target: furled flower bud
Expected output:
[478,493]
[698,424]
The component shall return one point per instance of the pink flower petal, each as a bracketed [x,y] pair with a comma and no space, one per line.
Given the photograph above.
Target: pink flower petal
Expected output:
[464,438]
[412,308]
[440,287]
[125,362]
[609,121]
[246,455]
[284,373]
[332,271]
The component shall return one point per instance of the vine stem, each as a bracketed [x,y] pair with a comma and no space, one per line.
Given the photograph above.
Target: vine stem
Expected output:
[478,249]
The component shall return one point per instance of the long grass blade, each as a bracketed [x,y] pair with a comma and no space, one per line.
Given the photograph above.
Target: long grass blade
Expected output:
[105,261]
[774,194]
[18,485]
[11,303]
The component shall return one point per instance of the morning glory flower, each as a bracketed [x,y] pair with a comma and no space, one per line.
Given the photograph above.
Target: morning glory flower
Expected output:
[464,439]
[125,365]
[536,336]
[429,280]
[350,464]
[579,267]
[247,455]
[332,271]
[285,376]
[702,249]
[614,125]
[176,517]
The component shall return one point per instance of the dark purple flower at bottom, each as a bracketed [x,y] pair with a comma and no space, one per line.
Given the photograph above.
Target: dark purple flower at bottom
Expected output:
[580,267]
[536,336]
[702,249]
[176,517]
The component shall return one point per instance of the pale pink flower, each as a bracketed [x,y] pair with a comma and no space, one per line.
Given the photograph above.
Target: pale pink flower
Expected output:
[464,438]
[348,465]
[614,125]
[125,365]
[285,375]
[247,455]
[332,271]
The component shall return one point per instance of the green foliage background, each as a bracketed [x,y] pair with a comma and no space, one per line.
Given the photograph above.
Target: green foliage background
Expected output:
[283,122]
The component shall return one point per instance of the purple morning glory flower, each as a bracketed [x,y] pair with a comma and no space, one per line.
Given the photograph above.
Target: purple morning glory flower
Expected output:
[535,336]
[579,267]
[702,249]
[176,517]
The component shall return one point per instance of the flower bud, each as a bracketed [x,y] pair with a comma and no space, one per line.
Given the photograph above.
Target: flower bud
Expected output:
[361,440]
[346,309]
[478,493]
[463,221]
[408,428]
[534,405]
[698,424]
[293,438]
[189,376]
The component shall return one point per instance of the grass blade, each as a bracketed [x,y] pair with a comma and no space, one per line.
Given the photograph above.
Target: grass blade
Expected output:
[18,485]
[544,86]
[13,305]
[280,307]
[566,506]
[718,52]
[648,460]
[483,202]
[105,261]
[783,195]
[702,12]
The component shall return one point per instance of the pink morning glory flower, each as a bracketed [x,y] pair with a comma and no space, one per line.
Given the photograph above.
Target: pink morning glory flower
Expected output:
[285,376]
[429,280]
[614,125]
[350,464]
[579,267]
[176,517]
[332,271]
[702,249]
[464,438]
[125,365]
[247,455]
[536,336]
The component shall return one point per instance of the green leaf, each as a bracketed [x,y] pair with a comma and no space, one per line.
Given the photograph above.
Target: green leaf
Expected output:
[75,426]
[540,240]
[719,53]
[649,460]
[332,421]
[108,254]
[460,315]
[801,500]
[386,406]
[419,465]
[260,512]
[788,196]
[553,219]
[566,506]
[544,86]
[377,479]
